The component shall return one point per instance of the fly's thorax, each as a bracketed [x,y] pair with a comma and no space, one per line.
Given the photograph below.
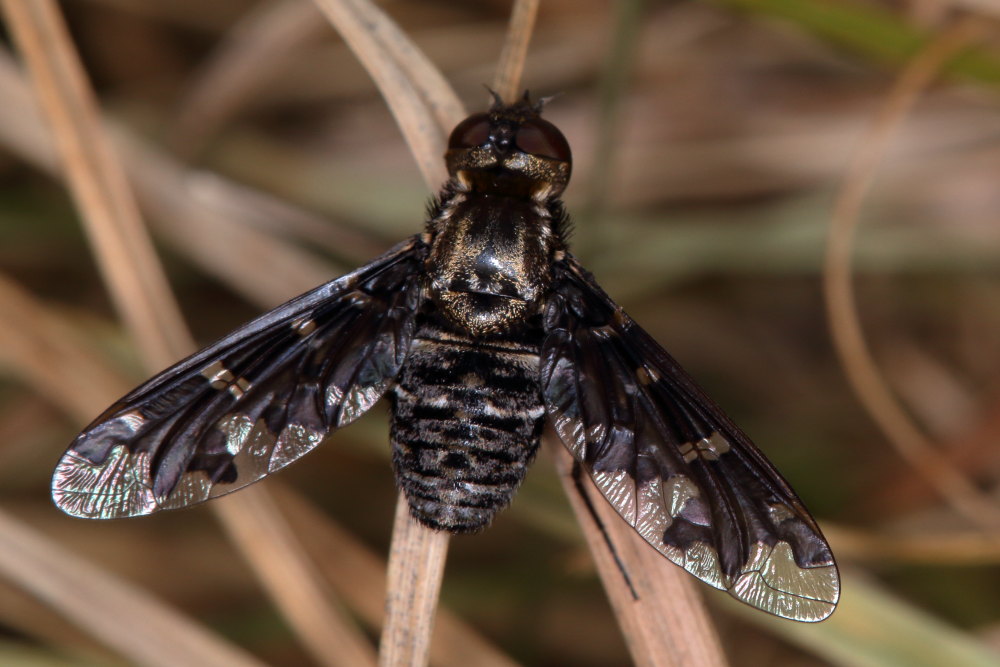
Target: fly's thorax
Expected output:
[490,260]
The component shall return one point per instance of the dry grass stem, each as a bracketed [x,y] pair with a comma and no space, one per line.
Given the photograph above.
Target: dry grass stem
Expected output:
[254,50]
[226,228]
[425,108]
[252,208]
[665,622]
[22,130]
[856,357]
[374,39]
[123,248]
[668,623]
[507,82]
[106,607]
[33,618]
[359,576]
[436,93]
[95,176]
[255,523]
[416,566]
[940,547]
[206,228]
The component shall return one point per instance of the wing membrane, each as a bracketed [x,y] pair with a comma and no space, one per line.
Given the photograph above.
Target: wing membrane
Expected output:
[670,461]
[250,403]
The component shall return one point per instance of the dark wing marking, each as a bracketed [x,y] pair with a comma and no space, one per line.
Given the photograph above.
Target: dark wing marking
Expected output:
[670,461]
[250,403]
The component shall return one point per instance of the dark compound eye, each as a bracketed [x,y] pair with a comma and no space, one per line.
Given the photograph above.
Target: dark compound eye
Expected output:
[542,138]
[471,132]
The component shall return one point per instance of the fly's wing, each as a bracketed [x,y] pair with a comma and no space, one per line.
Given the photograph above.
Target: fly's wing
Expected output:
[252,402]
[670,461]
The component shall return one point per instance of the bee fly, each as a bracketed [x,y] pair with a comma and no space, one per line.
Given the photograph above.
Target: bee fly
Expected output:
[477,329]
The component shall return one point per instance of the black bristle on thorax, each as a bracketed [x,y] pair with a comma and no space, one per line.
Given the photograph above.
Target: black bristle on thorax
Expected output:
[560,223]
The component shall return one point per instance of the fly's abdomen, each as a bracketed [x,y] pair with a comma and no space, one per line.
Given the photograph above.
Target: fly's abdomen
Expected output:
[466,421]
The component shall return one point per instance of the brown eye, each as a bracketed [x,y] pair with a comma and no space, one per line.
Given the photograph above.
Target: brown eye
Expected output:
[471,132]
[539,137]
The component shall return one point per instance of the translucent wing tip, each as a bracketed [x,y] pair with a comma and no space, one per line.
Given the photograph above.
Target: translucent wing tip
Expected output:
[106,490]
[774,582]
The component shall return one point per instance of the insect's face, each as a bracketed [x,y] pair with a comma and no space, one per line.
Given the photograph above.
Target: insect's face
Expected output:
[510,150]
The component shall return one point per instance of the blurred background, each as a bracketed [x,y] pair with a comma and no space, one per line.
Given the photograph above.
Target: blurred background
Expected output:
[710,141]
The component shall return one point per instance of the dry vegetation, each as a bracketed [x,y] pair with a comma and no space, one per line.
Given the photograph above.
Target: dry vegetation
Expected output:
[716,146]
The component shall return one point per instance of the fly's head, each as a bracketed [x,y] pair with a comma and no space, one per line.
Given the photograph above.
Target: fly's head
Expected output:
[510,150]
